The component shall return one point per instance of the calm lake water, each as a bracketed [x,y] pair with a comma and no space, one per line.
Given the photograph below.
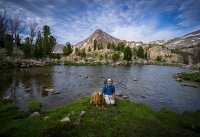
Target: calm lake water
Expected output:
[154,86]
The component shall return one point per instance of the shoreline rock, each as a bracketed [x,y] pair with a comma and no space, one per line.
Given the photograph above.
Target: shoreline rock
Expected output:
[35,114]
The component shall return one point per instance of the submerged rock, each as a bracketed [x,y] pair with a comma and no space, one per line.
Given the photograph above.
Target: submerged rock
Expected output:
[179,80]
[118,94]
[28,89]
[188,86]
[142,96]
[56,92]
[124,96]
[134,79]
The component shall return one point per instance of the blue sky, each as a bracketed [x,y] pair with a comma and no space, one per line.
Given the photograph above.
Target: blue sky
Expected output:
[131,20]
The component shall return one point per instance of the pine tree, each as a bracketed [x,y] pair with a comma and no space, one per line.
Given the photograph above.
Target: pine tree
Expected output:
[46,34]
[113,46]
[95,44]
[38,51]
[140,52]
[77,51]
[108,45]
[8,44]
[127,53]
[83,54]
[145,55]
[51,44]
[89,49]
[27,47]
[67,50]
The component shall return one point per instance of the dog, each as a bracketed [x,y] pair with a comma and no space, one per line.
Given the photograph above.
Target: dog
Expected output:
[97,99]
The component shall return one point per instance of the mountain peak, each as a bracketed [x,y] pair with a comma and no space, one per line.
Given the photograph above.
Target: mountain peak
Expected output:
[98,31]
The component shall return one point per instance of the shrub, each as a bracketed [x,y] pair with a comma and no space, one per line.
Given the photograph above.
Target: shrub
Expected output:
[159,58]
[55,55]
[176,51]
[115,56]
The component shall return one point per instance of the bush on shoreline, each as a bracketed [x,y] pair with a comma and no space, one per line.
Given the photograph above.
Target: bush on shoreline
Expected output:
[34,106]
[190,76]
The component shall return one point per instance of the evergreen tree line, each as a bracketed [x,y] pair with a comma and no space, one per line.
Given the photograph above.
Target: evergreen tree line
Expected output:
[67,49]
[36,44]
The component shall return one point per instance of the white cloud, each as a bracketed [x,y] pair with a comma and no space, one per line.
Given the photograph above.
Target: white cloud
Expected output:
[145,33]
[126,20]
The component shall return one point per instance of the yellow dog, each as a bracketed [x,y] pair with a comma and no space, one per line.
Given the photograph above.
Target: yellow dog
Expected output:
[97,99]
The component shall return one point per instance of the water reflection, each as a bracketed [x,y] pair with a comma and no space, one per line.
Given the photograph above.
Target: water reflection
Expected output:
[153,85]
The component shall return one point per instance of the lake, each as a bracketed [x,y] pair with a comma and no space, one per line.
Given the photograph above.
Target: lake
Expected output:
[150,84]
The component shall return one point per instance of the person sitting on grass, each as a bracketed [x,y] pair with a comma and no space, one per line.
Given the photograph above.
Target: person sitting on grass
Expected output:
[109,91]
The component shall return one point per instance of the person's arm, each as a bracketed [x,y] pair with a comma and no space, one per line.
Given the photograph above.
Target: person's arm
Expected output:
[103,89]
[113,94]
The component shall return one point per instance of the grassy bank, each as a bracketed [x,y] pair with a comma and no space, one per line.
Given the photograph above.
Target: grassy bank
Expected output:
[166,64]
[123,120]
[190,76]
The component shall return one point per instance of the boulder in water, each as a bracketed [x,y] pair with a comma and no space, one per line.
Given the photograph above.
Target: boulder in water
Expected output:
[56,92]
[28,89]
[134,79]
[124,96]
[118,94]
[49,90]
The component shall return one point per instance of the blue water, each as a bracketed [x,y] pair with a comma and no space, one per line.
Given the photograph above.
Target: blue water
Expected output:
[154,86]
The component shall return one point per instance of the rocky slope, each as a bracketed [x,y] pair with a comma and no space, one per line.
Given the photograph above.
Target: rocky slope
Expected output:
[158,42]
[159,50]
[103,38]
[187,41]
[58,48]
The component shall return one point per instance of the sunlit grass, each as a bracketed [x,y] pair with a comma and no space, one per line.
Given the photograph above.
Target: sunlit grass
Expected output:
[125,119]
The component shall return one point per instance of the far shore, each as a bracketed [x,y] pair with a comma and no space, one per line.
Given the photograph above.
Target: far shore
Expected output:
[12,63]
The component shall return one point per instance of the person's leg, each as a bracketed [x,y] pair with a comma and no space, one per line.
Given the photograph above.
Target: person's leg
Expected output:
[112,101]
[107,100]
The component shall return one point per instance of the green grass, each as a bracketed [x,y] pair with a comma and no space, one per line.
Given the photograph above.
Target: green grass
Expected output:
[34,106]
[123,120]
[190,76]
[167,64]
